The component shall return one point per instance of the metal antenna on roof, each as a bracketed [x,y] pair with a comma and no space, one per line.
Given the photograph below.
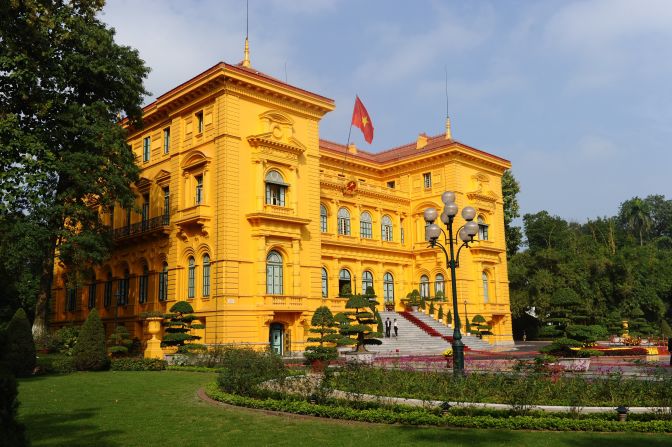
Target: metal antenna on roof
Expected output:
[246,58]
[449,134]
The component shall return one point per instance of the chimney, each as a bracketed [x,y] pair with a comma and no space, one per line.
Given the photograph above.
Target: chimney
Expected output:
[422,141]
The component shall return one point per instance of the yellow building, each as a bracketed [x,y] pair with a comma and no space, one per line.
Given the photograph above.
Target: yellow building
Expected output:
[244,212]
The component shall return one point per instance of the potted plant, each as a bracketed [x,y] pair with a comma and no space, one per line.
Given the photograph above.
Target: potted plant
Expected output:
[412,300]
[324,325]
[439,316]
[449,318]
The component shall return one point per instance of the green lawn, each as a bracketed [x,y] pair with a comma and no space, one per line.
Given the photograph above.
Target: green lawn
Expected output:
[127,409]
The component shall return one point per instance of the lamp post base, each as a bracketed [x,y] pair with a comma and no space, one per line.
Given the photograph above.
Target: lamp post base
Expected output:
[458,358]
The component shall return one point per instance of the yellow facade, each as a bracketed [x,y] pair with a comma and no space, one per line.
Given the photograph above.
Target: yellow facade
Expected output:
[235,193]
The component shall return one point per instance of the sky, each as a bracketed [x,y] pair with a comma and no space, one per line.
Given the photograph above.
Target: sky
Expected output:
[576,94]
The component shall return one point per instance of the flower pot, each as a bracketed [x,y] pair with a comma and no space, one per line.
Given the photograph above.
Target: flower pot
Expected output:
[154,350]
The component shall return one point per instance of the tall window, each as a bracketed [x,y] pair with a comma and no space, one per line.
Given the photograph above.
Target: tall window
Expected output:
[199,121]
[440,284]
[146,143]
[145,211]
[344,221]
[402,234]
[424,286]
[166,205]
[71,300]
[276,188]
[163,283]
[388,288]
[124,283]
[482,229]
[344,283]
[386,228]
[191,278]
[486,291]
[166,140]
[427,180]
[274,273]
[143,285]
[92,293]
[199,189]
[367,281]
[325,283]
[107,295]
[365,227]
[206,275]
[323,218]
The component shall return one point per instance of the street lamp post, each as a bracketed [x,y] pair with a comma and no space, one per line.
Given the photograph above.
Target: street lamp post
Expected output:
[466,235]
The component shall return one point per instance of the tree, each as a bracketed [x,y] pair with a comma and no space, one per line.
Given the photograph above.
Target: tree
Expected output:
[513,234]
[90,353]
[11,432]
[19,354]
[356,324]
[635,216]
[119,342]
[63,153]
[480,325]
[323,324]
[178,327]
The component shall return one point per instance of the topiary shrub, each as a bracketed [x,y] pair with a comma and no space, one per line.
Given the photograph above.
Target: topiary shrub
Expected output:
[356,324]
[324,325]
[19,352]
[90,353]
[12,433]
[440,314]
[119,342]
[243,369]
[137,364]
[562,347]
[178,328]
[431,308]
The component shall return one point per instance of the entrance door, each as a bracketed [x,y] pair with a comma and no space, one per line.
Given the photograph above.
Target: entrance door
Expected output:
[275,338]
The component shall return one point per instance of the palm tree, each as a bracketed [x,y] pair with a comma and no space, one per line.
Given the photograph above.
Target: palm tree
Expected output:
[635,214]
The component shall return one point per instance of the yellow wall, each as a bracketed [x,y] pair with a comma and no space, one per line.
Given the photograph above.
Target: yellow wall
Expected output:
[252,124]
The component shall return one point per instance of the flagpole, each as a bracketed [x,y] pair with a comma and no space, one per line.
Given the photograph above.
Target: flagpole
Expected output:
[347,146]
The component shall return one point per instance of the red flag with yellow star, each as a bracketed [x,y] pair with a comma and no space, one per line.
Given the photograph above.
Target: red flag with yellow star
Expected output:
[361,119]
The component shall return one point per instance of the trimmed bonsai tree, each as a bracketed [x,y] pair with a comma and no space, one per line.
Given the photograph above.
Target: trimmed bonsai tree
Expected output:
[356,324]
[178,328]
[89,353]
[431,308]
[440,314]
[19,353]
[481,327]
[324,325]
[412,298]
[119,342]
[440,296]
[449,317]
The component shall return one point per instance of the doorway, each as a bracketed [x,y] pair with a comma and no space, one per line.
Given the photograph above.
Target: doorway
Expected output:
[276,335]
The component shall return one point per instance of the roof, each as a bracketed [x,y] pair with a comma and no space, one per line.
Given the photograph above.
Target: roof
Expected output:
[434,144]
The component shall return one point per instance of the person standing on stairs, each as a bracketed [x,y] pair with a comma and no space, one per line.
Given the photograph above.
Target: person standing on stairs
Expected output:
[396,328]
[388,327]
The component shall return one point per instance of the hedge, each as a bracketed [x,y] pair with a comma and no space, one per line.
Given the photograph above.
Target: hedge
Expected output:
[136,364]
[386,415]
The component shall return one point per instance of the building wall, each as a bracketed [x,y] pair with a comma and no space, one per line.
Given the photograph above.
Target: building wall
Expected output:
[251,126]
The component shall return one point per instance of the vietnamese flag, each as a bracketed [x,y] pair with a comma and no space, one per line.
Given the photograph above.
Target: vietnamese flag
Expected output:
[361,119]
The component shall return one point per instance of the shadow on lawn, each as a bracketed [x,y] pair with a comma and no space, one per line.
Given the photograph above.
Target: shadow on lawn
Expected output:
[71,429]
[482,438]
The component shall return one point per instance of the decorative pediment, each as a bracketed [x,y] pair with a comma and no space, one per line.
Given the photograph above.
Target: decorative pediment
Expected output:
[194,160]
[162,178]
[277,136]
[143,185]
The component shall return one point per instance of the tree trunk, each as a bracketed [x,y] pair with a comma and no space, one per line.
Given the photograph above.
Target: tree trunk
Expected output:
[44,294]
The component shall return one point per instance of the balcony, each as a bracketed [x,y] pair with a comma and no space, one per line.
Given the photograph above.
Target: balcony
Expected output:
[285,302]
[156,226]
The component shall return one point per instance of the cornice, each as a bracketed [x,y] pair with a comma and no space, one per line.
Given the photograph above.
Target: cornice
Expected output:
[362,191]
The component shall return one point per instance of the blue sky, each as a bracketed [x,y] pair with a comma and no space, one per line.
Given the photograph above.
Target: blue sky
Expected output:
[577,94]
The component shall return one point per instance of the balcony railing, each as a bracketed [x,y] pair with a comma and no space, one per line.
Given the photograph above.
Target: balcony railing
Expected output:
[142,227]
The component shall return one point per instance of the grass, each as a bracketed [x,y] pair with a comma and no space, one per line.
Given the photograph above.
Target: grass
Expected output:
[115,409]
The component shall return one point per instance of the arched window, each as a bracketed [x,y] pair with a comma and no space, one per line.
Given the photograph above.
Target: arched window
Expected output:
[386,228]
[486,291]
[107,296]
[163,283]
[367,281]
[439,285]
[122,298]
[344,283]
[274,273]
[191,278]
[482,229]
[424,286]
[344,221]
[143,284]
[388,288]
[71,302]
[206,275]
[365,227]
[323,218]
[275,188]
[92,292]
[325,283]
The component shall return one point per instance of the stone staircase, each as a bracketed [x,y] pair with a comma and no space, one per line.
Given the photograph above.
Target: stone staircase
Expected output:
[413,340]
